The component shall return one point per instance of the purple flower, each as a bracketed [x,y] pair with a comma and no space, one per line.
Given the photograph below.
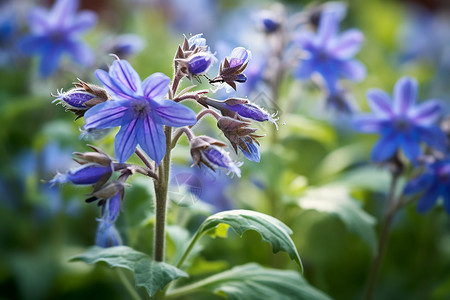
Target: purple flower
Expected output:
[330,54]
[434,183]
[139,108]
[401,123]
[56,32]
[84,175]
[200,63]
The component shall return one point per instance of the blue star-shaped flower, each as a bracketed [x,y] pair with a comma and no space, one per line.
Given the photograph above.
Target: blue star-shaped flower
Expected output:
[56,32]
[329,54]
[435,183]
[139,108]
[401,124]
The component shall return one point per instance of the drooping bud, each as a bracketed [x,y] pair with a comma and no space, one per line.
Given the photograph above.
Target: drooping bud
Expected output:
[84,175]
[241,135]
[207,151]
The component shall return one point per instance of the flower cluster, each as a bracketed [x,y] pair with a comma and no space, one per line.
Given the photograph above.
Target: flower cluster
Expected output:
[146,111]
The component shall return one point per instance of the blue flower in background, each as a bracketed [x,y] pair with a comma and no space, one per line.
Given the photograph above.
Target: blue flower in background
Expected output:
[139,108]
[329,54]
[56,32]
[434,183]
[401,123]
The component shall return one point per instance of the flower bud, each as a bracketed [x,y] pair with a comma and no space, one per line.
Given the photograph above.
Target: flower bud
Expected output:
[81,98]
[200,63]
[109,191]
[241,107]
[207,151]
[242,136]
[232,67]
[84,175]
[98,157]
[74,99]
[217,156]
[238,57]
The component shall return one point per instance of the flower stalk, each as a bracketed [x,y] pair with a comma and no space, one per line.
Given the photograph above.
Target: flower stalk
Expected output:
[392,208]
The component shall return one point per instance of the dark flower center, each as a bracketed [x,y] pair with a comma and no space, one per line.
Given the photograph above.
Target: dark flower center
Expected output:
[141,108]
[402,124]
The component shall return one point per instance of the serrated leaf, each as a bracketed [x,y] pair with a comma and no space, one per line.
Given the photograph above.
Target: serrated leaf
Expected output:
[338,202]
[150,274]
[253,282]
[270,229]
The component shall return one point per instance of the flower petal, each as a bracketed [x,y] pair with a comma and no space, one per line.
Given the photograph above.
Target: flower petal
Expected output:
[429,199]
[82,22]
[125,142]
[123,72]
[156,86]
[175,114]
[385,148]
[380,102]
[410,146]
[108,114]
[328,27]
[418,184]
[348,44]
[433,136]
[113,87]
[31,44]
[352,69]
[62,13]
[80,53]
[305,69]
[367,123]
[405,93]
[51,54]
[38,20]
[151,138]
[426,113]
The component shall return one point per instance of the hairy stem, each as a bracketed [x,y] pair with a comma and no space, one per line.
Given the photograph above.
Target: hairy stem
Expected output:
[391,210]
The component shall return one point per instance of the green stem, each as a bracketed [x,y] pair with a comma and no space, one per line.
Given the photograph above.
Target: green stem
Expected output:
[130,288]
[161,200]
[391,210]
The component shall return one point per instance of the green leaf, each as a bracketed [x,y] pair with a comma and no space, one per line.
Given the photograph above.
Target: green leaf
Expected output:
[270,229]
[338,202]
[150,274]
[253,282]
